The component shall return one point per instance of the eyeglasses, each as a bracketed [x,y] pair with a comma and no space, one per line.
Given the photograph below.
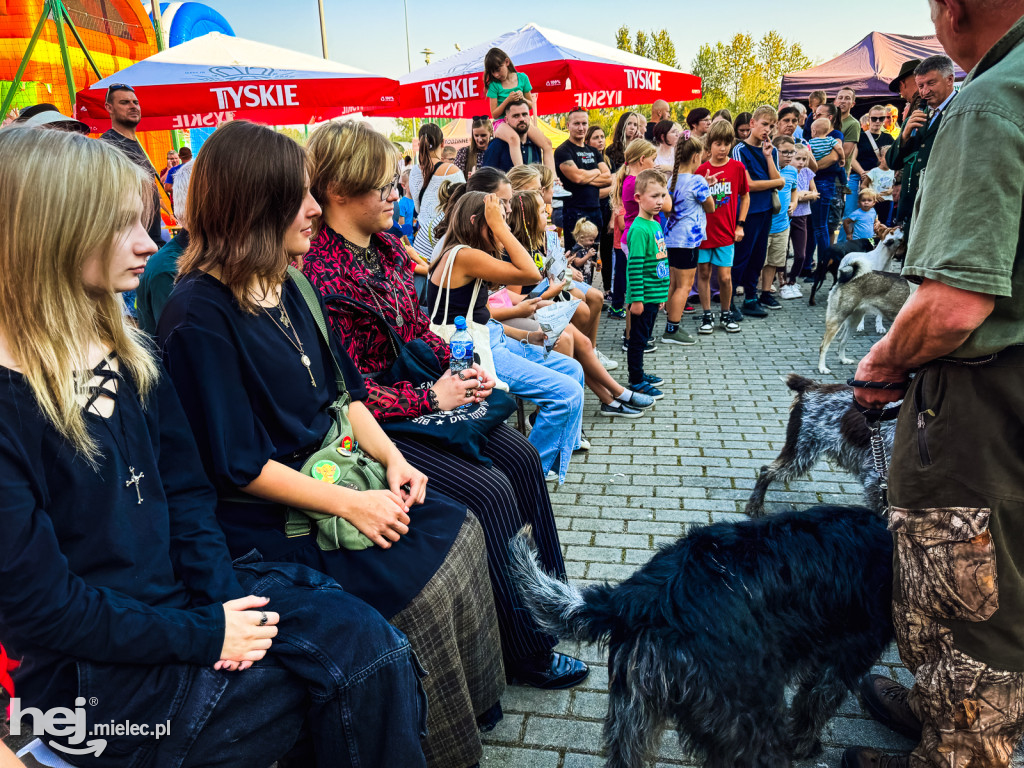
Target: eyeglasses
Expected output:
[878,119]
[787,152]
[387,189]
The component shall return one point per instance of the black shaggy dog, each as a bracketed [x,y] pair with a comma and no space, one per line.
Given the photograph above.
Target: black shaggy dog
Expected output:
[707,635]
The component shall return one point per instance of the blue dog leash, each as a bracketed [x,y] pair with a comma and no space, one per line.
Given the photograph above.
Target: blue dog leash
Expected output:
[874,418]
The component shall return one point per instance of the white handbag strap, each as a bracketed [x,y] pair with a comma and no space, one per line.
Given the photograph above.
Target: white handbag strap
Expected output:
[446,275]
[874,144]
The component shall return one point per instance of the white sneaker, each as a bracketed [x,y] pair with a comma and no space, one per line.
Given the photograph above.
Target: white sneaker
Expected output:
[607,362]
[790,292]
[560,191]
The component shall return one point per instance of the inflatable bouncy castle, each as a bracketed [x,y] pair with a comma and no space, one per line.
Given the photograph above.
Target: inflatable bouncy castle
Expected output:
[115,33]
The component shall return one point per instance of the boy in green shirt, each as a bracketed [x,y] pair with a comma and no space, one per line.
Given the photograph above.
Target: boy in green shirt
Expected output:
[647,277]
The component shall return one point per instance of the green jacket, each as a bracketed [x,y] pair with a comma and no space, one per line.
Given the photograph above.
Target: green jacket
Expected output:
[157,281]
[969,219]
[911,157]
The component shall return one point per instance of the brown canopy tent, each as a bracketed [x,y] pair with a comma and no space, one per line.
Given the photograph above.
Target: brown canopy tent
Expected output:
[868,67]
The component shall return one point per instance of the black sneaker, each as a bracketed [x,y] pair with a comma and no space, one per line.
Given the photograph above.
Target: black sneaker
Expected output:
[689,309]
[735,309]
[707,324]
[753,308]
[728,322]
[619,409]
[768,301]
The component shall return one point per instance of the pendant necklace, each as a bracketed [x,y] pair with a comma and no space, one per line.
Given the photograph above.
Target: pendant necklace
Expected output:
[105,373]
[284,325]
[369,257]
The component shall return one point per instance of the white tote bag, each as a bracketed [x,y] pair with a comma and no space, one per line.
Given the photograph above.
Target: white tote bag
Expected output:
[481,333]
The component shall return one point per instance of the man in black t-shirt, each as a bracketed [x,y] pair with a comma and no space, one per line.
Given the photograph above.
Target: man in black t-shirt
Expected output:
[583,172]
[660,110]
[125,115]
[497,155]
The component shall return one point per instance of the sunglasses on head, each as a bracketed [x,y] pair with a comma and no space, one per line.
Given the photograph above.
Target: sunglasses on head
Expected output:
[119,87]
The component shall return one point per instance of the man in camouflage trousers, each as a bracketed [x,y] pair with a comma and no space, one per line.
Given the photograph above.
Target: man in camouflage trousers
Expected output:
[957,471]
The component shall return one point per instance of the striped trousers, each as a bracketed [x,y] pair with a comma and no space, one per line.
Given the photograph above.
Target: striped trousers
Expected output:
[504,498]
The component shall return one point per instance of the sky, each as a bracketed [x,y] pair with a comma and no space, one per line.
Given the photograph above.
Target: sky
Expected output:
[371,35]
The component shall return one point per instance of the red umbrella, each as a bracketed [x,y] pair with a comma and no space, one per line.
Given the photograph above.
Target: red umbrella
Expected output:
[569,72]
[216,77]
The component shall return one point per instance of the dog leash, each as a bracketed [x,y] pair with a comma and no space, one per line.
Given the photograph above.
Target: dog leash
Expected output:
[874,418]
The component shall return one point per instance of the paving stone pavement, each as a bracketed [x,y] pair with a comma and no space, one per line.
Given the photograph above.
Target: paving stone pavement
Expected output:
[692,461]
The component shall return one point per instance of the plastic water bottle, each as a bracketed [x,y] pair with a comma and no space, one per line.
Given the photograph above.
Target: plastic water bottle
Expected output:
[461,347]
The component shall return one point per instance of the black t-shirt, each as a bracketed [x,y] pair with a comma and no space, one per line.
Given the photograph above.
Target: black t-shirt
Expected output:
[138,155]
[586,158]
[866,153]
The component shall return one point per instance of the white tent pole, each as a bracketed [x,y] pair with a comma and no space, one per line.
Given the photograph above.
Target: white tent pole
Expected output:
[323,28]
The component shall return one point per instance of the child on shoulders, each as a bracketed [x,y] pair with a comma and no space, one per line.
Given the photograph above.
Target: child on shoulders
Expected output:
[505,86]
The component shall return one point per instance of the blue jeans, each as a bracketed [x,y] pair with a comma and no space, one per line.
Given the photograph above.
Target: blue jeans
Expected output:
[339,687]
[750,254]
[555,383]
[819,215]
[850,205]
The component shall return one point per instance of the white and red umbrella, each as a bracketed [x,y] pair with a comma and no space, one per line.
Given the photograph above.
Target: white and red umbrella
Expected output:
[215,77]
[566,72]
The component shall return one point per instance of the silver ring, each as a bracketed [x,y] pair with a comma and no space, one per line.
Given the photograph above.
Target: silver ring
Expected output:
[263,618]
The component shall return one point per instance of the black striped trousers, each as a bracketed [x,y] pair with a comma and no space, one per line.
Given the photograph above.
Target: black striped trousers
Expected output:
[509,495]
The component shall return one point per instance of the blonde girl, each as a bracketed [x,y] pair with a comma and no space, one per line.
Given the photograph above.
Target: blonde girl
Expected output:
[114,568]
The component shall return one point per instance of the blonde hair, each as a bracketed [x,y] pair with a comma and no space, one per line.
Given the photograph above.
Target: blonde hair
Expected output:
[348,159]
[522,175]
[547,176]
[65,197]
[821,124]
[644,179]
[524,220]
[765,111]
[585,228]
[637,150]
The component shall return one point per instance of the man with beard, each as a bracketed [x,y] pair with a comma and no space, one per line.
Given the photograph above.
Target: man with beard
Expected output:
[125,115]
[517,115]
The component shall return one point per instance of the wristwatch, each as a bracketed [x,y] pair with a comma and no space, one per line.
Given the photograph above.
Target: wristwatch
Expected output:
[741,223]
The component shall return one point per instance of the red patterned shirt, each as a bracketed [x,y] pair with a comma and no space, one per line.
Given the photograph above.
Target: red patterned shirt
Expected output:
[332,268]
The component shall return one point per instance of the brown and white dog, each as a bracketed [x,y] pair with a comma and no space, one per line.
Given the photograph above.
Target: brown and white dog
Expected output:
[823,423]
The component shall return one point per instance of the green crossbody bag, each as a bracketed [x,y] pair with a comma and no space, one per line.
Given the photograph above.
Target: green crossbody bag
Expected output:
[339,460]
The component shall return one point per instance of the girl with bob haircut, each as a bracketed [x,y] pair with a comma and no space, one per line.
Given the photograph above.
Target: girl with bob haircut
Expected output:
[364,274]
[257,381]
[118,585]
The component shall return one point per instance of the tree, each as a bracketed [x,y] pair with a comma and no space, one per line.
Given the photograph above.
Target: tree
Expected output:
[663,49]
[403,130]
[642,44]
[622,39]
[743,74]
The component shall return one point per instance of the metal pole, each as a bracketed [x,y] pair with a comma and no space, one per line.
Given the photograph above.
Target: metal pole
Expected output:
[408,49]
[158,25]
[323,28]
[62,41]
[16,83]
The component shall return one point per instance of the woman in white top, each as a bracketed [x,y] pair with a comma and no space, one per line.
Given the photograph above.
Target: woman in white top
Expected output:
[425,182]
